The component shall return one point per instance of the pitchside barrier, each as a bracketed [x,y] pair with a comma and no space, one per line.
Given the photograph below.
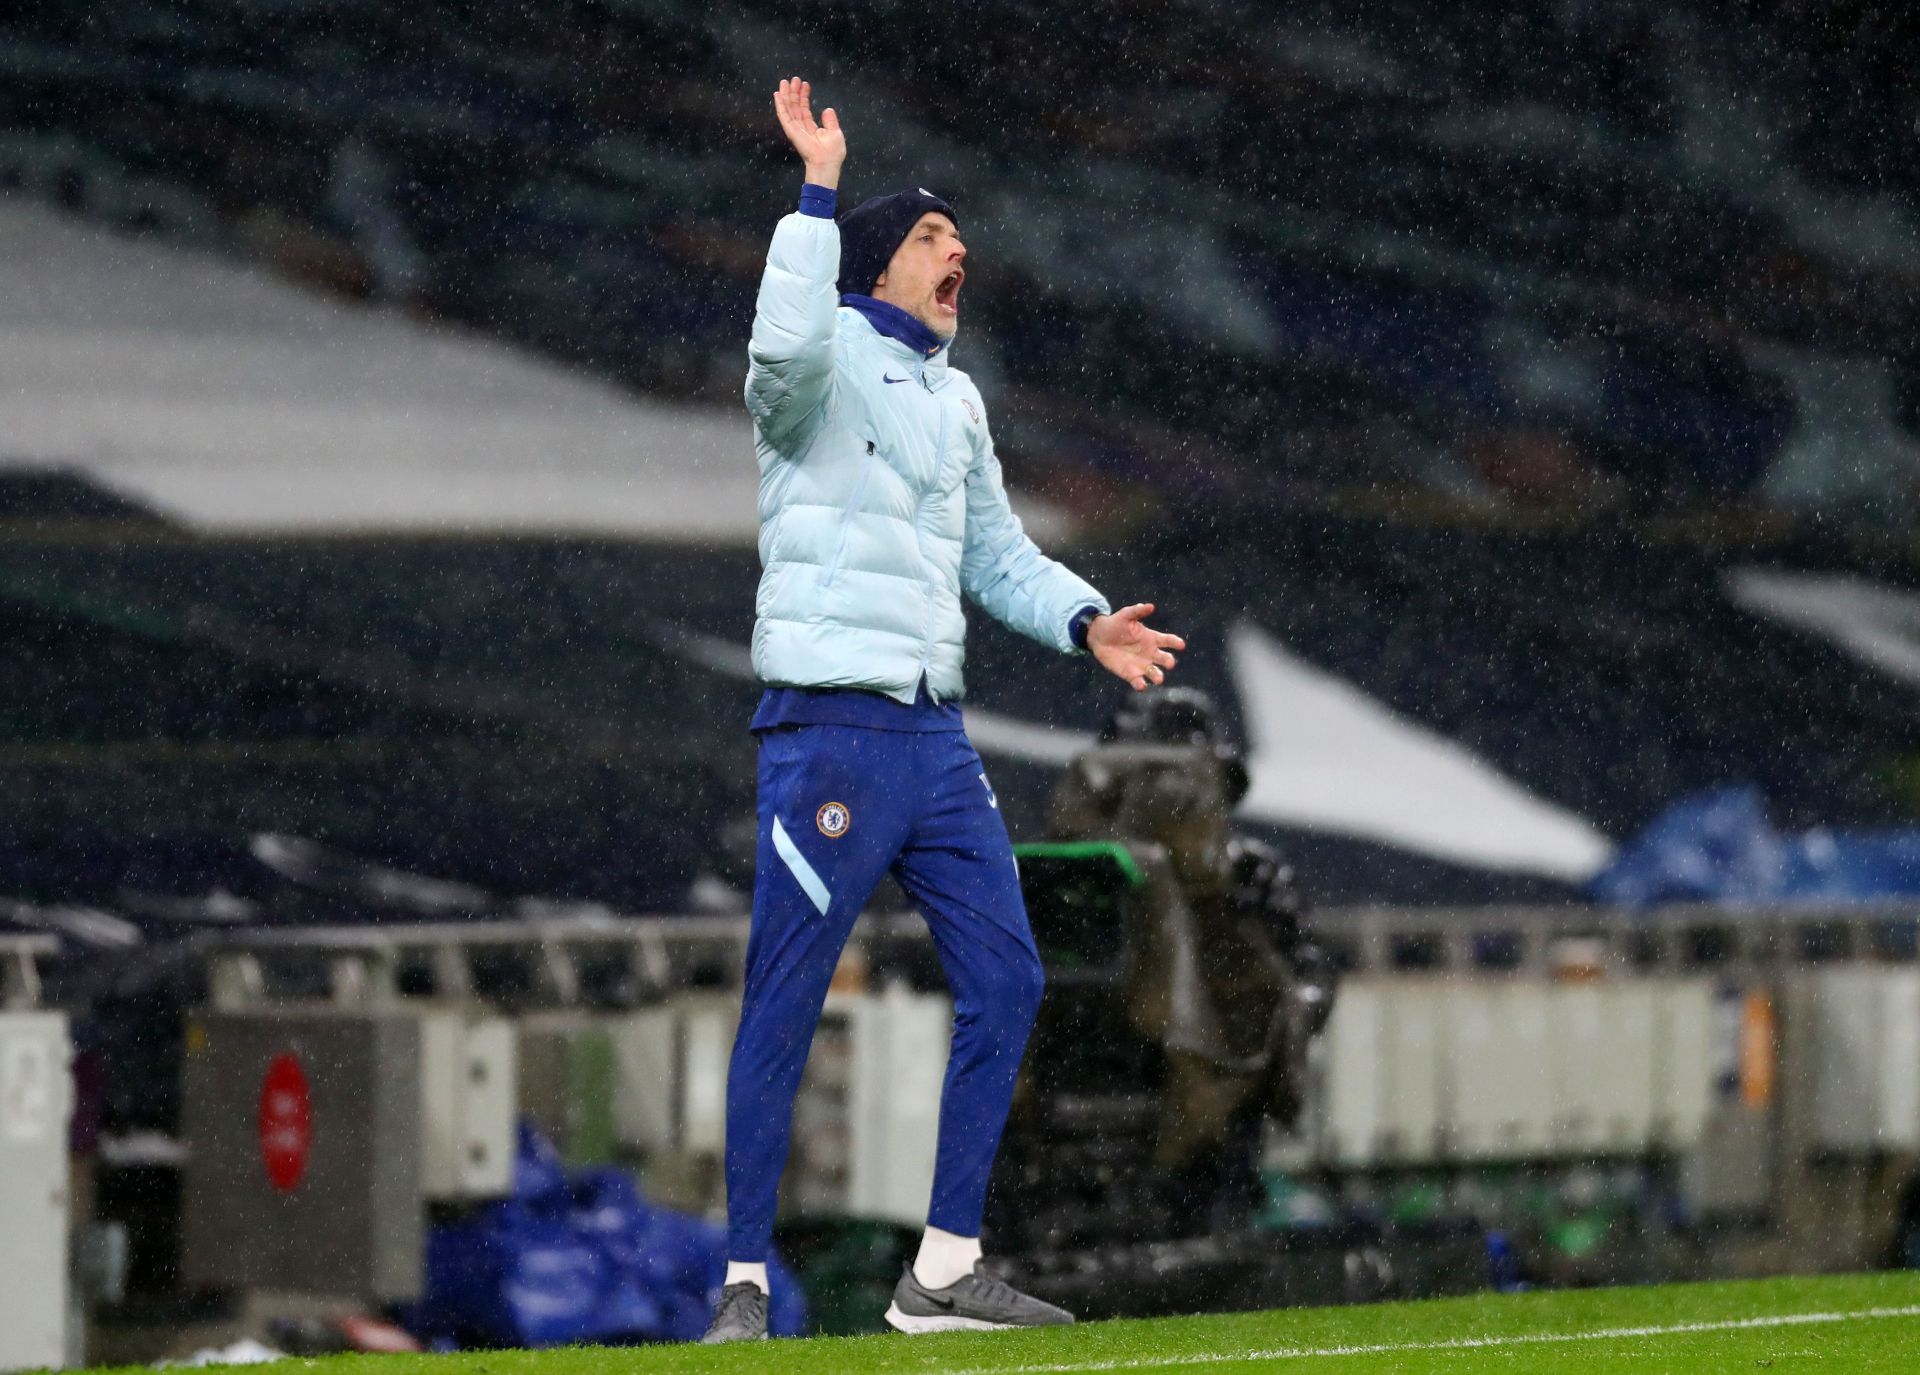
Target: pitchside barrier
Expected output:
[344,1083]
[36,1104]
[1769,1055]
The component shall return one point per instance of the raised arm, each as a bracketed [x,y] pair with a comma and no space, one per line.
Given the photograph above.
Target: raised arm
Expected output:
[790,357]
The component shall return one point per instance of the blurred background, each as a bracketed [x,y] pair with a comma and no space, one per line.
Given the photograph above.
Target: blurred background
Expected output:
[1517,410]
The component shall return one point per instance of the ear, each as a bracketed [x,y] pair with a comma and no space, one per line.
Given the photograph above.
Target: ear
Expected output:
[879,281]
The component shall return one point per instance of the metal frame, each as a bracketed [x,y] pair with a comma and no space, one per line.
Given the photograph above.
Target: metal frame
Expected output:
[20,968]
[1679,939]
[365,962]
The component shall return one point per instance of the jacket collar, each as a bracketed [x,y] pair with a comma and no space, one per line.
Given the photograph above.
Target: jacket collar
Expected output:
[894,323]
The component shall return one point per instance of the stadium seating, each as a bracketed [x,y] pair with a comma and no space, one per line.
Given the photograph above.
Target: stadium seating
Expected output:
[520,715]
[1526,257]
[1286,275]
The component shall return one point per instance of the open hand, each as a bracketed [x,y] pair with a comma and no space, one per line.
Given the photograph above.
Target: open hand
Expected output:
[1127,648]
[822,147]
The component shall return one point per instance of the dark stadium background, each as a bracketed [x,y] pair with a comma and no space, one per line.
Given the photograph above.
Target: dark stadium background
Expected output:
[1415,195]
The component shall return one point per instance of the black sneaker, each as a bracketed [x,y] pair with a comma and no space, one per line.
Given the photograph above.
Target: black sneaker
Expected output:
[972,1303]
[740,1316]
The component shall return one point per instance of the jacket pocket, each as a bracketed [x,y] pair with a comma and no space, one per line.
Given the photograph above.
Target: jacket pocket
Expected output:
[846,519]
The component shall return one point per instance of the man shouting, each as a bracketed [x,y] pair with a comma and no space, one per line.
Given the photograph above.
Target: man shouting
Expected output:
[880,504]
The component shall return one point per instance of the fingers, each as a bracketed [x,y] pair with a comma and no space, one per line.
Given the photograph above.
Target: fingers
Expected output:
[791,103]
[831,117]
[1137,613]
[1141,675]
[783,106]
[1163,659]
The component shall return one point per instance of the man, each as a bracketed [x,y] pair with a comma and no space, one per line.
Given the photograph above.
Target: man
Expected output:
[880,504]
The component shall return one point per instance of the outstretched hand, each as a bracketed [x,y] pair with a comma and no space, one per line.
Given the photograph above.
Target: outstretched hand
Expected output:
[822,147]
[1128,648]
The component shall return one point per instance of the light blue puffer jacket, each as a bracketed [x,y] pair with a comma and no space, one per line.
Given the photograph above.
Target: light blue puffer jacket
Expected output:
[880,501]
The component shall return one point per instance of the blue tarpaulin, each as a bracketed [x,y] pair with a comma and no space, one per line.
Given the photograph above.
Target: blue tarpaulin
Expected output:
[1719,846]
[579,1256]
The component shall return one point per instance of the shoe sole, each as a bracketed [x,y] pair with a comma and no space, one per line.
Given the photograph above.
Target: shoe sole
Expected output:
[917,1323]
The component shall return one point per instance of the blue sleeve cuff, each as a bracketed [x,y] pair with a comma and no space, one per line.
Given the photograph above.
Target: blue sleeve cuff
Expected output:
[817,201]
[1077,627]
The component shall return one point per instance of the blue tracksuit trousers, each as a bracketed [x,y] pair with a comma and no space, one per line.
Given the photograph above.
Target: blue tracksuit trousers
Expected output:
[839,807]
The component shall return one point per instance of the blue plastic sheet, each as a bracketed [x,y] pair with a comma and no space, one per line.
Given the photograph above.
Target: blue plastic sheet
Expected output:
[1719,846]
[579,1256]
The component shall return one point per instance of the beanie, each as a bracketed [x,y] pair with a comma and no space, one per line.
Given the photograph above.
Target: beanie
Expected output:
[874,229]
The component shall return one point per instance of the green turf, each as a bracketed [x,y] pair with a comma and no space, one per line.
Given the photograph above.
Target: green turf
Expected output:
[1488,1333]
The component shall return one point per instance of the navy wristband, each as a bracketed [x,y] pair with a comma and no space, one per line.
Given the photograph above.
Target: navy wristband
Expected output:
[1078,626]
[817,201]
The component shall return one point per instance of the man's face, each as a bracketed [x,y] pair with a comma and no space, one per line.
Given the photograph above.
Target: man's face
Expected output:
[924,276]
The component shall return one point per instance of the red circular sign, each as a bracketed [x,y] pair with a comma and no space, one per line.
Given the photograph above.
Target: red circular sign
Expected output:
[286,1122]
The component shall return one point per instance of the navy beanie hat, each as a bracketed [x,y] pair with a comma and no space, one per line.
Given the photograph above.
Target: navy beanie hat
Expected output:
[874,229]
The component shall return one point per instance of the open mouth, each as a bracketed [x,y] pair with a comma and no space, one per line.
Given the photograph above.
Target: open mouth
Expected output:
[947,294]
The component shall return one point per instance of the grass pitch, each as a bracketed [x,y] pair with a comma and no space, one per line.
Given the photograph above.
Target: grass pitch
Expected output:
[1844,1323]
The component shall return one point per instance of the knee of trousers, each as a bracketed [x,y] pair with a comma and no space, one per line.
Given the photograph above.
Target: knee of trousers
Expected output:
[1005,1000]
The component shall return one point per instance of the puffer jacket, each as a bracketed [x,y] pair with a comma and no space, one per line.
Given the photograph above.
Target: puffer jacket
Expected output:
[881,500]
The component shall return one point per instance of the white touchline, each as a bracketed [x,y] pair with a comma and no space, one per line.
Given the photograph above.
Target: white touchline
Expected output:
[1302,1353]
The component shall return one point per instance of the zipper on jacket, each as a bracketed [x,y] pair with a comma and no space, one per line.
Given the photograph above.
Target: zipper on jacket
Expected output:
[846,525]
[939,472]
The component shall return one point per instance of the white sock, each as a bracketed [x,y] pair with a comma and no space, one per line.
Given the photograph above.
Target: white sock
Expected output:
[739,1272]
[945,1258]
